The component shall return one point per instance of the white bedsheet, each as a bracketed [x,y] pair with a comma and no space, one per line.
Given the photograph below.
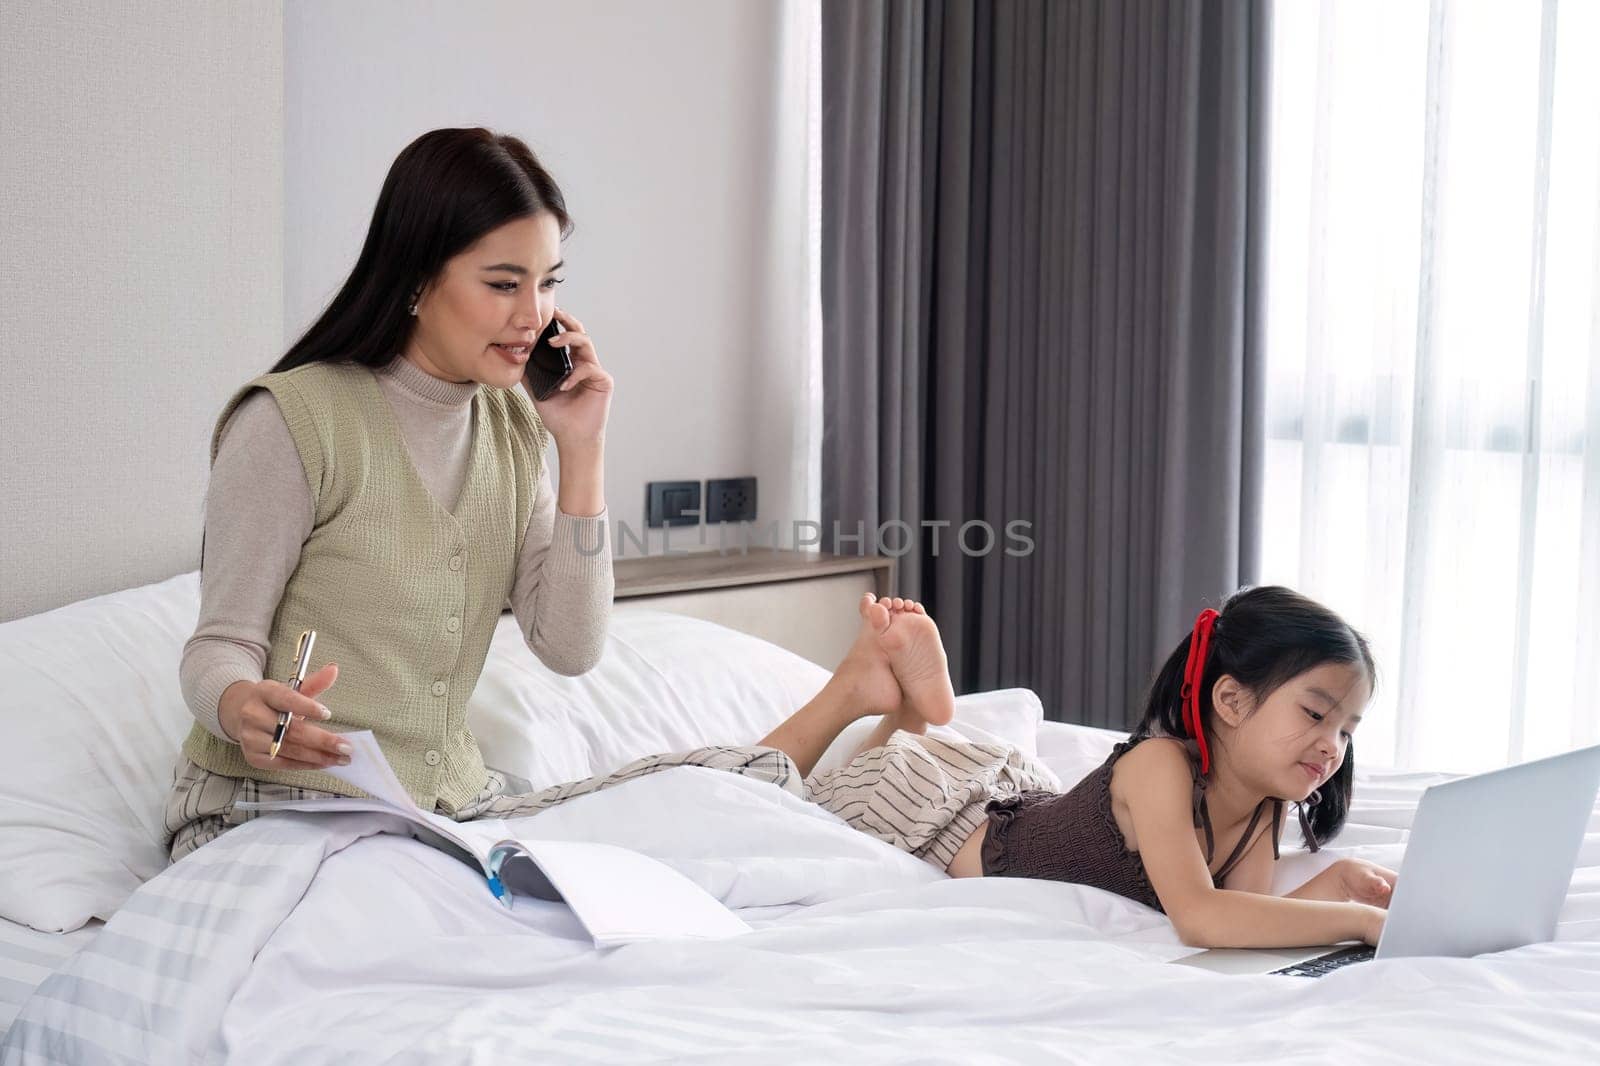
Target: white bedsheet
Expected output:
[28,956]
[303,939]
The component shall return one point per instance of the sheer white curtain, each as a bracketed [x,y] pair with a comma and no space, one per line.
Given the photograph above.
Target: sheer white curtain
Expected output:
[1433,418]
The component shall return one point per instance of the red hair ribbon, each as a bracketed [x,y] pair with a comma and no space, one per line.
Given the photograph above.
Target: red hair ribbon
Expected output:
[1193,671]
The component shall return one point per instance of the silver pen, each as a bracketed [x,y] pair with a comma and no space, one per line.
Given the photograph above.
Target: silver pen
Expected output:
[302,659]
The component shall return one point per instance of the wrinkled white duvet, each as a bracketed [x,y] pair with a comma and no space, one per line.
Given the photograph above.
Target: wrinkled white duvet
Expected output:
[301,939]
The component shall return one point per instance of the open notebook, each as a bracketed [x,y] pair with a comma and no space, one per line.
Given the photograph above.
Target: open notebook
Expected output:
[620,895]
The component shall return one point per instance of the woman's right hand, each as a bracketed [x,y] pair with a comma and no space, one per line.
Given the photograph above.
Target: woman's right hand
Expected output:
[248,712]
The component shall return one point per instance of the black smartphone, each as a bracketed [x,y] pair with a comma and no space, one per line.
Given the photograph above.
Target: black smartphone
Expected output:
[548,365]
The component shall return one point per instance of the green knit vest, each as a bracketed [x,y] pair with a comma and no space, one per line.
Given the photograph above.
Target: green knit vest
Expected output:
[403,594]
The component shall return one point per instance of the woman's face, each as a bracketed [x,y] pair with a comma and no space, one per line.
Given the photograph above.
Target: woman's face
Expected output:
[501,290]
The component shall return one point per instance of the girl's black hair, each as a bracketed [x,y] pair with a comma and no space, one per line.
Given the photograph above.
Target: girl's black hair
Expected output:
[444,191]
[1263,637]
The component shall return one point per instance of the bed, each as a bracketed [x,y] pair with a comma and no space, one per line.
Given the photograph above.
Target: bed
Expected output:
[306,938]
[28,956]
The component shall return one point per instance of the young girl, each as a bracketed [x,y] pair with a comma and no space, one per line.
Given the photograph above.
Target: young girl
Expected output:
[385,485]
[1254,709]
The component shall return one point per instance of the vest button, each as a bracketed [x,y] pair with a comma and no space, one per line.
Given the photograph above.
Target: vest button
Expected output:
[455,562]
[431,757]
[439,688]
[453,624]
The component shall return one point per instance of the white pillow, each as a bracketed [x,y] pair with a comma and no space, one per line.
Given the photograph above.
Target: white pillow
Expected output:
[666,682]
[1074,750]
[90,724]
[1002,716]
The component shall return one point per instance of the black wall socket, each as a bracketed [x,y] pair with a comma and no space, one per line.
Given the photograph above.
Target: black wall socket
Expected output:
[731,500]
[672,503]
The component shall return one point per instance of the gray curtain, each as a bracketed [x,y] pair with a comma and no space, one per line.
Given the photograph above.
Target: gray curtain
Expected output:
[1042,257]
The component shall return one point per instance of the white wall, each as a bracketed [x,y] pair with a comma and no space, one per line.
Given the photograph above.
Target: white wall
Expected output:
[678,134]
[140,277]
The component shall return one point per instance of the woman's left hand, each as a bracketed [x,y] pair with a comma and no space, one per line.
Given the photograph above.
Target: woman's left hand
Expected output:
[576,412]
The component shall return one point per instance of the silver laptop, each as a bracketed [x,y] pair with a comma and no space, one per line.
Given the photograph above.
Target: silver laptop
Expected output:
[1487,868]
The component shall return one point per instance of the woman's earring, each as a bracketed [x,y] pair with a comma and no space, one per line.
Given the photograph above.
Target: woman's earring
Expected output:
[414,301]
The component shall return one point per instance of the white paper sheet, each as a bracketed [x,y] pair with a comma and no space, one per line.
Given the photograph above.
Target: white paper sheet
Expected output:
[623,897]
[370,771]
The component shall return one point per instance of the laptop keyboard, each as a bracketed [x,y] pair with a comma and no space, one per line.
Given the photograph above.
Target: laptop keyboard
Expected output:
[1324,964]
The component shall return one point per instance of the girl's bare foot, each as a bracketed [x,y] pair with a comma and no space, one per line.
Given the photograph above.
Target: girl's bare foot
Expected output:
[864,676]
[895,669]
[909,640]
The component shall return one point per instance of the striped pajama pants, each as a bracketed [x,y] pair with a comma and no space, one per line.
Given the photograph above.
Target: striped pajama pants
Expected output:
[922,794]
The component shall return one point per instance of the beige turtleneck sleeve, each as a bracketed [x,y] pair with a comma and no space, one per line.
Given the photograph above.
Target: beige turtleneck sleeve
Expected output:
[259,514]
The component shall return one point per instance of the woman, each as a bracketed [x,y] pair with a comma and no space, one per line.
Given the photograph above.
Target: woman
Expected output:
[385,485]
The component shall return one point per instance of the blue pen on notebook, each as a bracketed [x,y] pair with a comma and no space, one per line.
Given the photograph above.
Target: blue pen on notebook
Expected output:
[496,886]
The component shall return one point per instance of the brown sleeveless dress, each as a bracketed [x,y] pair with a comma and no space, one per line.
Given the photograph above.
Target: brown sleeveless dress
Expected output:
[1073,836]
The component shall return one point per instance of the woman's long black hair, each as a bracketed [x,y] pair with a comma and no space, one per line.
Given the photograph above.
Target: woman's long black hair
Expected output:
[444,192]
[1263,637]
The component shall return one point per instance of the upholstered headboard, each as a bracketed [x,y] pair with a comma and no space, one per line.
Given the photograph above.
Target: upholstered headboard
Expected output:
[142,279]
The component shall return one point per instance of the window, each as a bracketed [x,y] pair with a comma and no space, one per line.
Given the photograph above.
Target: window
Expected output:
[1433,337]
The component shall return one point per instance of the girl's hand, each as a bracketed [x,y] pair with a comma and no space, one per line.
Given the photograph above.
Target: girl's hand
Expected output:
[1372,922]
[576,412]
[248,712]
[1365,882]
